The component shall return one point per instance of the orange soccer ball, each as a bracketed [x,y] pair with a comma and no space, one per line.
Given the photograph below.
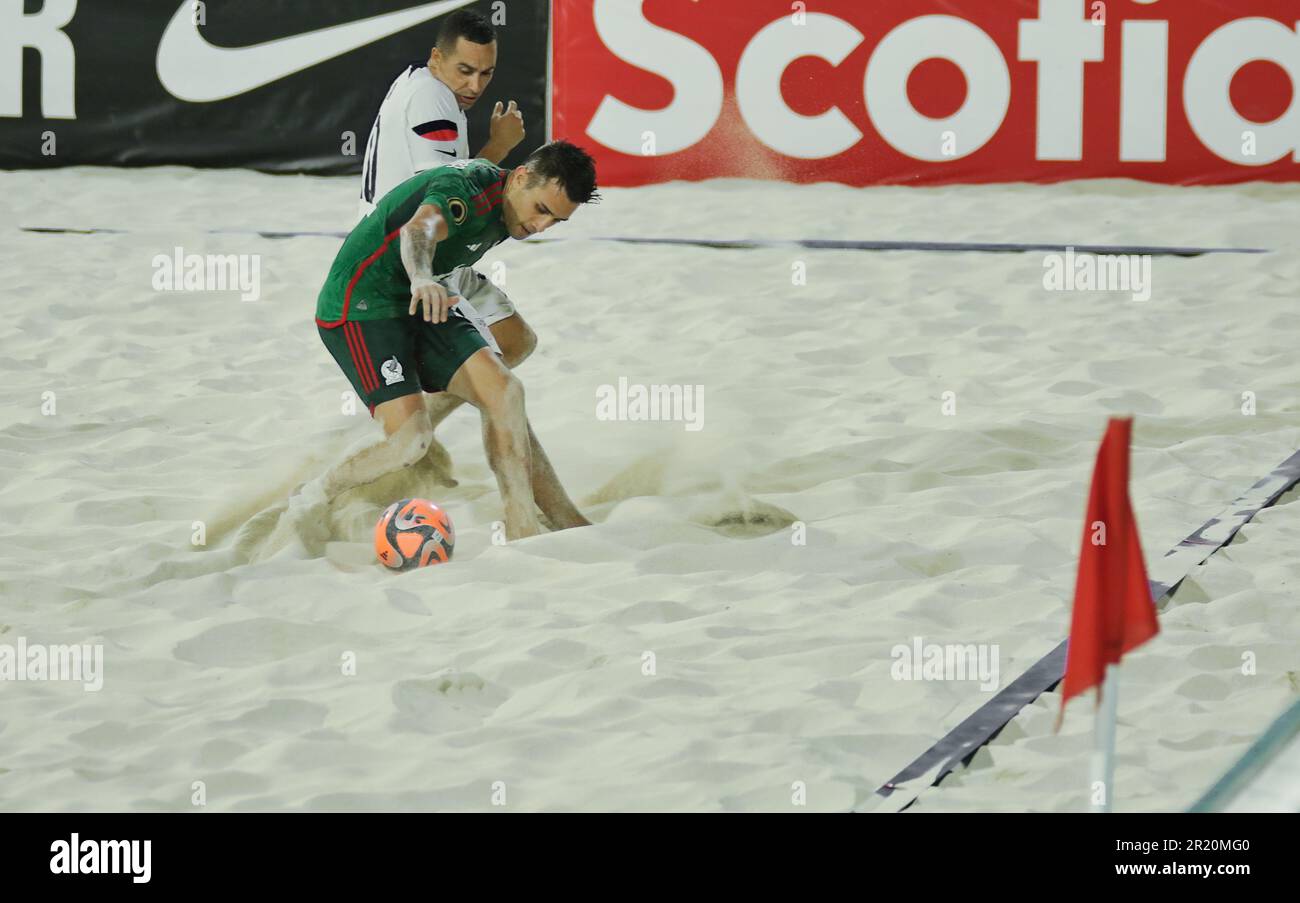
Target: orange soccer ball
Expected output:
[413,533]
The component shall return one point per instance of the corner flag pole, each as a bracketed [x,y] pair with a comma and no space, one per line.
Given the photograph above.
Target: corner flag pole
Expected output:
[1103,755]
[1113,610]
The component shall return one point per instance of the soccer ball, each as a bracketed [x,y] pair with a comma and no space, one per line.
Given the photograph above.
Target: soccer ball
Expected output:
[413,533]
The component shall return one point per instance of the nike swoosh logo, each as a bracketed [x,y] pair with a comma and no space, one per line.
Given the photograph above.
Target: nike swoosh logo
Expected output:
[448,153]
[191,69]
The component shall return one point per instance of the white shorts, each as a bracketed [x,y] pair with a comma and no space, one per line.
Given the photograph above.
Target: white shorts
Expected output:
[482,303]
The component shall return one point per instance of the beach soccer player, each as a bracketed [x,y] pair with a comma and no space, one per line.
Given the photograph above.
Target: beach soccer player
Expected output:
[388,313]
[421,125]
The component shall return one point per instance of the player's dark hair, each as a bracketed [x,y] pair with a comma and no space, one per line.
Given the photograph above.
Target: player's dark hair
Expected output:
[468,24]
[569,165]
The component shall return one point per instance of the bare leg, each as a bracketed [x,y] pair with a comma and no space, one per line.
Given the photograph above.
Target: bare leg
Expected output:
[407,437]
[486,383]
[505,453]
[307,512]
[549,493]
[517,341]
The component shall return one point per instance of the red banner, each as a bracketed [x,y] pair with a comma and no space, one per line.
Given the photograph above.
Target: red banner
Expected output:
[930,91]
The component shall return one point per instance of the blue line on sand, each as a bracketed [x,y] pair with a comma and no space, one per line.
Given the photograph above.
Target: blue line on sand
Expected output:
[816,244]
[819,244]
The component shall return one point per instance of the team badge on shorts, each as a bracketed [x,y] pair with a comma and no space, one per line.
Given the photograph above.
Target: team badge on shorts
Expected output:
[458,210]
[392,371]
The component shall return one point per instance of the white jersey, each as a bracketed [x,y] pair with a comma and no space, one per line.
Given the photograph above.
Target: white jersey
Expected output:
[420,125]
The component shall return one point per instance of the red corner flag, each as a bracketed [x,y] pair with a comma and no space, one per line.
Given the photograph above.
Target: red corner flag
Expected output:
[1113,610]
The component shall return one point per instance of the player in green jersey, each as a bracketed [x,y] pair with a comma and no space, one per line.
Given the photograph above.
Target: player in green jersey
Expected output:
[400,323]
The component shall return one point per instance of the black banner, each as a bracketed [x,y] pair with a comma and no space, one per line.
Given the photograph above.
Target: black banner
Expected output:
[275,85]
[968,855]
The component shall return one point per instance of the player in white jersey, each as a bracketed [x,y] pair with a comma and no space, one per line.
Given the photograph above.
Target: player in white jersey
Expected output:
[421,125]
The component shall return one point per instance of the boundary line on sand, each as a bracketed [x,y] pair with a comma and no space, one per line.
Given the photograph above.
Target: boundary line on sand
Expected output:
[960,744]
[820,244]
[815,244]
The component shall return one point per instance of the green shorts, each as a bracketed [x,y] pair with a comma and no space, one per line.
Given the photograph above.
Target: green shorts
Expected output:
[387,359]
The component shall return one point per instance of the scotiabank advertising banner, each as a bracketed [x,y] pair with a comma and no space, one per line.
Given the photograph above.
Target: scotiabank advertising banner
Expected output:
[930,91]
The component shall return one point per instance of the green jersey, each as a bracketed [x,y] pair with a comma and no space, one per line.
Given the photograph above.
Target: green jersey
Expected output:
[368,280]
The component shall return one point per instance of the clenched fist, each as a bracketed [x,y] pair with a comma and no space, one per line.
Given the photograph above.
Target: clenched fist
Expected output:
[507,127]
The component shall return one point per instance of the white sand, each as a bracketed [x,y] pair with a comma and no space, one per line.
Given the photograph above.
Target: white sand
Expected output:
[523,664]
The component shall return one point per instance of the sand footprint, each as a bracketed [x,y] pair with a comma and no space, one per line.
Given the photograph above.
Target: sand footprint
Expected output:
[741,517]
[453,700]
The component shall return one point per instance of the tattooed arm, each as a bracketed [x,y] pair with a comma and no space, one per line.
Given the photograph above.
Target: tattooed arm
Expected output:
[420,239]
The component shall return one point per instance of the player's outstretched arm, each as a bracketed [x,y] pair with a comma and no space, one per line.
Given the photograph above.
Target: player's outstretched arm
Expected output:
[420,237]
